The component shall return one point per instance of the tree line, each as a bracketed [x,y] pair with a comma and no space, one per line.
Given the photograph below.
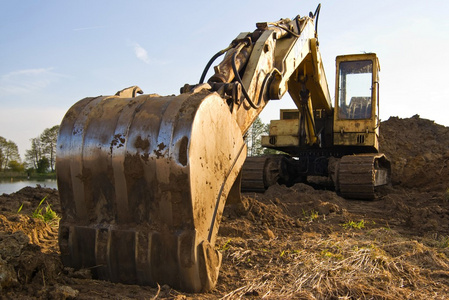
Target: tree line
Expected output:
[40,158]
[254,139]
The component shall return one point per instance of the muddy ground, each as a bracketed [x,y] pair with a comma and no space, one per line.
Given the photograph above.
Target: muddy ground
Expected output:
[298,242]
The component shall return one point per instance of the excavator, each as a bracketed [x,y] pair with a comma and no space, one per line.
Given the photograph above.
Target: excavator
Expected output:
[143,179]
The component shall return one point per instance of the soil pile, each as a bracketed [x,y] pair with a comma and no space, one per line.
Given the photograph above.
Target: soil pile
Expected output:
[419,152]
[296,242]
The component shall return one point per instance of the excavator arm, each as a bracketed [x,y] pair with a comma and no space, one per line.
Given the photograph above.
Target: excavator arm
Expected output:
[263,65]
[143,179]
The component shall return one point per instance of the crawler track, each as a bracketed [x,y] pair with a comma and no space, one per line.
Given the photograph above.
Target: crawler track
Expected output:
[253,174]
[359,175]
[261,172]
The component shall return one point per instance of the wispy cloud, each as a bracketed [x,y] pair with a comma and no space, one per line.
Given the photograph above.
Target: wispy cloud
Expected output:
[141,53]
[28,80]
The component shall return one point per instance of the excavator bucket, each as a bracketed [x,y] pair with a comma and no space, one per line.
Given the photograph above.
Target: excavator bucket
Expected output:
[143,182]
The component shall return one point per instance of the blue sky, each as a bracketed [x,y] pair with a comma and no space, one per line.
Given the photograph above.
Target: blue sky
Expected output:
[54,53]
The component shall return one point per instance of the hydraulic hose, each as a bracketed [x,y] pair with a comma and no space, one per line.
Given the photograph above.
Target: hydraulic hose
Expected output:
[316,16]
[218,54]
[239,79]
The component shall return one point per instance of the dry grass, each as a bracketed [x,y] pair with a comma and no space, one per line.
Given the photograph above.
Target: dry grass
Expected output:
[368,265]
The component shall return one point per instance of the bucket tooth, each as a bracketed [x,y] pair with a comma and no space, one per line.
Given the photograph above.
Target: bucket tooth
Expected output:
[143,182]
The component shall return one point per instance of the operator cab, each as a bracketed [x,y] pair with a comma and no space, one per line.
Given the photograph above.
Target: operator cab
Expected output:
[356,119]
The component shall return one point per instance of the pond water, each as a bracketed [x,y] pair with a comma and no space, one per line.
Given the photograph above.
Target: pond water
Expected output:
[11,186]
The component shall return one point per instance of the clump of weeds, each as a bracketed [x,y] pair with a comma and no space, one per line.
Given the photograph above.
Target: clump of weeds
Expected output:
[45,213]
[354,225]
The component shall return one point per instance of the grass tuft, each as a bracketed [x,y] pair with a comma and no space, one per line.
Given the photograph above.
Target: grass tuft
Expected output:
[46,214]
[354,225]
[225,246]
[310,215]
[20,208]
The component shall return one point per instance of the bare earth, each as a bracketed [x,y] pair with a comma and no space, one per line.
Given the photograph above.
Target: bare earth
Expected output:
[303,242]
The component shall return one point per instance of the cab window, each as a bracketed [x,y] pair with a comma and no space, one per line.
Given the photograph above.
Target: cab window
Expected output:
[355,89]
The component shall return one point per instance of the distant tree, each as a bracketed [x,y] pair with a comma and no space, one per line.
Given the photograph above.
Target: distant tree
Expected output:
[43,165]
[48,139]
[16,166]
[2,158]
[254,136]
[33,155]
[8,152]
[43,146]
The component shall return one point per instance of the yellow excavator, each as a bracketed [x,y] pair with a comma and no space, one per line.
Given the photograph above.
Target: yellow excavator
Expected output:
[143,179]
[339,142]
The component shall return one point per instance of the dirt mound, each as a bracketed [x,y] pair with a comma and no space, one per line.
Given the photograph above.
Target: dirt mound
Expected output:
[296,242]
[27,200]
[419,152]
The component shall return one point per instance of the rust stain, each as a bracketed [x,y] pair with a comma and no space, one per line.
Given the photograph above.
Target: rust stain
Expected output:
[159,150]
[140,143]
[118,141]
